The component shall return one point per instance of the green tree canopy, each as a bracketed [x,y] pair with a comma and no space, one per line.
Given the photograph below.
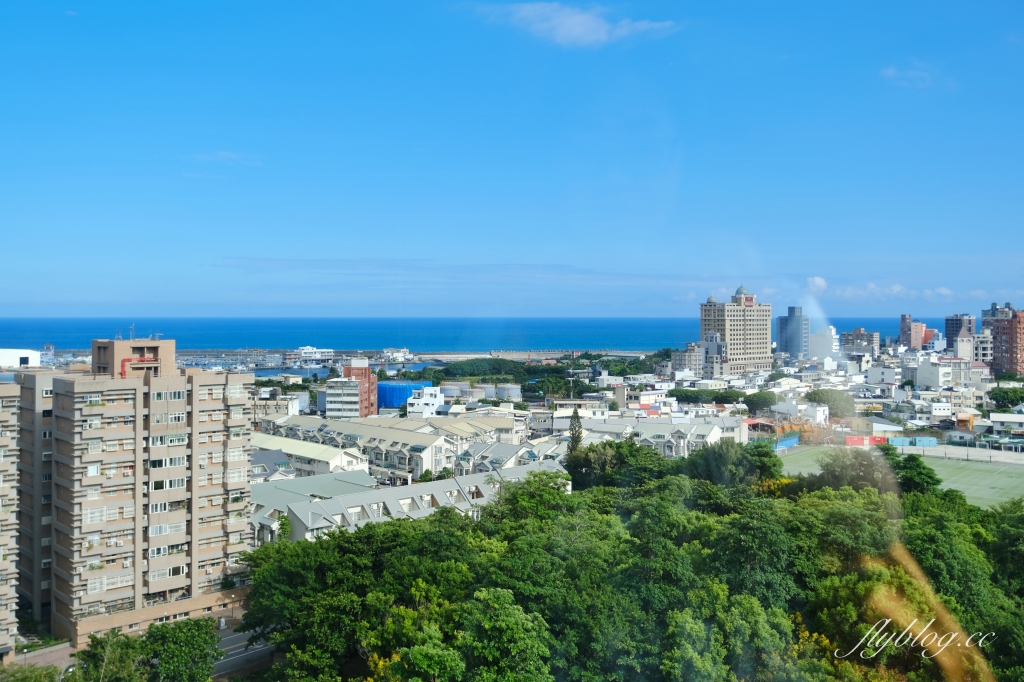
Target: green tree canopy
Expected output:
[840,405]
[759,401]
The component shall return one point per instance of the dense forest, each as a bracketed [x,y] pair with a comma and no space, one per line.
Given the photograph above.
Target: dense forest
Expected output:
[707,568]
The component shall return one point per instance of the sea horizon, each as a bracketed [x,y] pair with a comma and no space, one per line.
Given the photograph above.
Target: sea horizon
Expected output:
[418,334]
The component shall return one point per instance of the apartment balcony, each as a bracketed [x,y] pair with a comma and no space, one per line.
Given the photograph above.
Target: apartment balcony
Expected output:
[237,503]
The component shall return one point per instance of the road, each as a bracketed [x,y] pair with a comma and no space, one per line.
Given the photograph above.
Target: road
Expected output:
[237,656]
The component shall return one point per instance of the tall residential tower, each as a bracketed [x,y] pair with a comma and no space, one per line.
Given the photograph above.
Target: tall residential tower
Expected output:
[745,326]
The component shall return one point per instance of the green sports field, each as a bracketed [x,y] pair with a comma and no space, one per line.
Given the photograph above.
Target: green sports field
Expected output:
[984,484]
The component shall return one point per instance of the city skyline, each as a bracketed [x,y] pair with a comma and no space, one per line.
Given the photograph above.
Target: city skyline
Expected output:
[510,159]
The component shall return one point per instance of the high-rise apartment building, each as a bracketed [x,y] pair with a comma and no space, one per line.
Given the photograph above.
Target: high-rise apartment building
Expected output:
[745,326]
[148,502]
[1008,344]
[360,370]
[954,323]
[860,341]
[994,313]
[912,333]
[35,491]
[794,331]
[983,346]
[9,455]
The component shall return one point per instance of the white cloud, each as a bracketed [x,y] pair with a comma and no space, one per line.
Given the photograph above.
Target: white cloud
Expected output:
[918,76]
[978,293]
[573,26]
[816,285]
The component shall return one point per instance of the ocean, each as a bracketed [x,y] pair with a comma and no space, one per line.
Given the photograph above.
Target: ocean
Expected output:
[417,334]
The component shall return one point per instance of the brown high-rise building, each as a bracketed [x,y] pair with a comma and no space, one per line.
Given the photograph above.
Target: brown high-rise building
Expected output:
[359,369]
[147,509]
[1008,344]
[911,333]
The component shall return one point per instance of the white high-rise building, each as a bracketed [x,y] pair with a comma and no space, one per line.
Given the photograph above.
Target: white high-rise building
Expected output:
[824,343]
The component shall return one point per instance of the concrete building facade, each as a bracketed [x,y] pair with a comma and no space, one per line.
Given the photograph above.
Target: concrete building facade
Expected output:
[745,326]
[148,487]
[1008,344]
[954,323]
[9,456]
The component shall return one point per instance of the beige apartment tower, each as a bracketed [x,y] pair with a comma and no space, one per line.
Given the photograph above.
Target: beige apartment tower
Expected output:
[745,326]
[147,509]
[9,454]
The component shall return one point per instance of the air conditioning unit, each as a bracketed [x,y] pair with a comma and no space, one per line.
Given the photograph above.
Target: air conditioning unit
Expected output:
[128,474]
[209,571]
[127,563]
[202,466]
[110,543]
[110,474]
[120,543]
[78,569]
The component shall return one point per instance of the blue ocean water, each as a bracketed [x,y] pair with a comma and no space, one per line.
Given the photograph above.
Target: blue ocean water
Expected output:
[416,334]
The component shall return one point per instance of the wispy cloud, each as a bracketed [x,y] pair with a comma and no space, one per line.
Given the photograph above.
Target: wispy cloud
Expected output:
[816,285]
[573,26]
[228,158]
[919,75]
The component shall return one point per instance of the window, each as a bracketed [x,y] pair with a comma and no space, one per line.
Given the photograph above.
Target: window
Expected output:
[178,439]
[156,396]
[235,454]
[236,413]
[236,475]
[236,434]
[157,440]
[166,462]
[47,392]
[216,457]
[217,393]
[91,423]
[45,563]
[47,435]
[157,551]
[94,515]
[236,390]
[47,477]
[169,484]
[159,418]
[176,395]
[110,446]
[157,507]
[128,444]
[92,470]
[92,494]
[203,394]
[158,529]
[176,418]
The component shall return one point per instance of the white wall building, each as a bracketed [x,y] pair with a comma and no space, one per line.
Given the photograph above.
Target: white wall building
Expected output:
[342,398]
[424,402]
[18,357]
[824,343]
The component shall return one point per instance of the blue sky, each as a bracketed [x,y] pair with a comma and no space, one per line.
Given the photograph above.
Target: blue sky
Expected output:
[449,159]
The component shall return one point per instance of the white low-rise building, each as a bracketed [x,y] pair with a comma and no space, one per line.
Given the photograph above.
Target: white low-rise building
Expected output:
[424,402]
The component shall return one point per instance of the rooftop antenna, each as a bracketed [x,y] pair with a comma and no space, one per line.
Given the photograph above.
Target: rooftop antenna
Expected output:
[158,335]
